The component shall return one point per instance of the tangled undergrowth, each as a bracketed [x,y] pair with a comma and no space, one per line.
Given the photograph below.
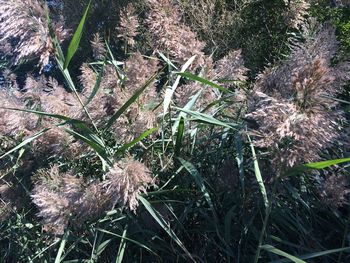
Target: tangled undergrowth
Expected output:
[174,131]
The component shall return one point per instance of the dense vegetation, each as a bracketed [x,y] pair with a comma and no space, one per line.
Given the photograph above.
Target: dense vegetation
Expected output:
[174,131]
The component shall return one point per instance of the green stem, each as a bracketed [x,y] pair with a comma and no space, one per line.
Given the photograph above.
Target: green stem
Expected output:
[266,220]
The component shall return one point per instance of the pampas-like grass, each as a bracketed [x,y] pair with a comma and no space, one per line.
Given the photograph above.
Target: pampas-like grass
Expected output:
[64,199]
[128,25]
[292,105]
[125,181]
[24,31]
[170,35]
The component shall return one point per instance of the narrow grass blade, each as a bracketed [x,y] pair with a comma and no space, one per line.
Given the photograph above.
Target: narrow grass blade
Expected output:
[127,239]
[56,43]
[168,61]
[61,248]
[25,142]
[102,247]
[122,246]
[314,166]
[41,253]
[182,114]
[96,86]
[74,122]
[61,60]
[199,181]
[41,113]
[279,252]
[169,92]
[164,225]
[138,139]
[179,136]
[86,131]
[74,44]
[316,254]
[91,136]
[100,151]
[116,64]
[258,176]
[325,164]
[206,118]
[191,76]
[229,218]
[239,160]
[117,114]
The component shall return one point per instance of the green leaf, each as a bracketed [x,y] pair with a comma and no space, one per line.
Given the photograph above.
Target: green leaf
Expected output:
[258,175]
[54,39]
[168,61]
[314,166]
[179,136]
[317,254]
[75,122]
[88,136]
[122,246]
[117,114]
[203,81]
[159,219]
[41,113]
[169,92]
[138,139]
[199,181]
[90,140]
[74,44]
[86,131]
[42,252]
[127,239]
[25,142]
[206,118]
[102,247]
[188,106]
[61,249]
[239,160]
[116,64]
[279,252]
[96,86]
[325,164]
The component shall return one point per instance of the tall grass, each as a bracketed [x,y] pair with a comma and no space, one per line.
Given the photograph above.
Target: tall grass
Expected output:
[188,185]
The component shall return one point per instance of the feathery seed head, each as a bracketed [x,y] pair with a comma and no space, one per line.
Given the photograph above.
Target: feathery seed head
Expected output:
[125,181]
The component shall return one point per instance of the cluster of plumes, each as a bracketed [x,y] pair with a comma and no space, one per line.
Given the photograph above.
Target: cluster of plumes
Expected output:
[128,25]
[12,122]
[170,35]
[24,31]
[227,71]
[46,95]
[114,93]
[98,47]
[61,197]
[296,13]
[11,199]
[291,104]
[126,181]
[212,19]
[231,67]
[185,92]
[335,189]
[64,199]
